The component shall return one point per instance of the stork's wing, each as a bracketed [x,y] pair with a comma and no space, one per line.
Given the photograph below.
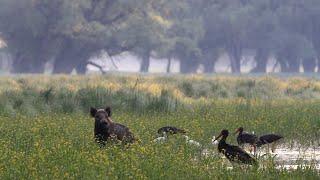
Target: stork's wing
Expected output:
[269,138]
[250,137]
[239,155]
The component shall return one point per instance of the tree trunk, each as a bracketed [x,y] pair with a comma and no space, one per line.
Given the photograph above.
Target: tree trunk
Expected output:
[169,65]
[27,64]
[66,61]
[209,67]
[82,67]
[1,61]
[283,65]
[235,64]
[83,60]
[72,56]
[294,65]
[261,60]
[209,62]
[318,64]
[33,57]
[184,67]
[235,54]
[309,65]
[144,67]
[289,63]
[188,65]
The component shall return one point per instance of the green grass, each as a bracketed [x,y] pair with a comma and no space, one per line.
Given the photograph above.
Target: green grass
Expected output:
[48,134]
[31,95]
[56,146]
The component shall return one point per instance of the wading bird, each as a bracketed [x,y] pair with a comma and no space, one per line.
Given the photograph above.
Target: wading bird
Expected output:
[233,153]
[269,139]
[170,130]
[167,130]
[246,138]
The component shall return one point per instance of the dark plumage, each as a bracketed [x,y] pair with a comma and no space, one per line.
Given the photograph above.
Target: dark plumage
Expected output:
[170,130]
[233,153]
[105,128]
[267,139]
[246,138]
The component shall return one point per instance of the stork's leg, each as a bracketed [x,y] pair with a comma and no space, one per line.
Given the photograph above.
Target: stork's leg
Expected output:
[273,147]
[250,149]
[254,150]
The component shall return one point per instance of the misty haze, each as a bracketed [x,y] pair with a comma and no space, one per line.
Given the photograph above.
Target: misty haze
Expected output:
[159,89]
[186,36]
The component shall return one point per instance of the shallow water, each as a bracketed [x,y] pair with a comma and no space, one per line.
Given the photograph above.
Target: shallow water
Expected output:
[292,158]
[284,157]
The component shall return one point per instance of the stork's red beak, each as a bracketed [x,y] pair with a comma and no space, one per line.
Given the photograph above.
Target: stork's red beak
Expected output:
[237,130]
[217,137]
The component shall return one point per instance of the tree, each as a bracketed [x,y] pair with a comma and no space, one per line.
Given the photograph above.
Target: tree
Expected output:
[25,33]
[234,21]
[96,25]
[68,31]
[260,33]
[212,41]
[292,41]
[147,34]
[193,31]
[309,25]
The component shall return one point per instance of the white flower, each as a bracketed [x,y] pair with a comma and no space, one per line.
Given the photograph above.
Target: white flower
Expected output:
[191,142]
[160,139]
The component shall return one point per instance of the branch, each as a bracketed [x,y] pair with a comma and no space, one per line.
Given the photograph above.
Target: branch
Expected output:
[275,66]
[113,63]
[112,51]
[97,66]
[117,18]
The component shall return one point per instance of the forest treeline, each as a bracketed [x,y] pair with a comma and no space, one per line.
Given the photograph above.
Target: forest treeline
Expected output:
[195,32]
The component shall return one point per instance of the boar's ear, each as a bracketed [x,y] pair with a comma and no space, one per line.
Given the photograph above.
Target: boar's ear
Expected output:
[93,111]
[108,110]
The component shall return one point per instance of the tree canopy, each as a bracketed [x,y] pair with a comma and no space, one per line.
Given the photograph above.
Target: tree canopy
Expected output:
[196,32]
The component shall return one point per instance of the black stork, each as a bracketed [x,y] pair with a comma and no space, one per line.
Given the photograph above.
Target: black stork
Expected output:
[170,130]
[233,153]
[246,138]
[268,139]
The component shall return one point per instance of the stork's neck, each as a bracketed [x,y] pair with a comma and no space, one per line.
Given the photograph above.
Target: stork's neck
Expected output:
[222,142]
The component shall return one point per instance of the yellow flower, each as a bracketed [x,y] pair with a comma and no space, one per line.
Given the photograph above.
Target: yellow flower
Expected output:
[113,86]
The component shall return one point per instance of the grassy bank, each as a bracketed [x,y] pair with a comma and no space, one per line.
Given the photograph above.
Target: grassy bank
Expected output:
[31,95]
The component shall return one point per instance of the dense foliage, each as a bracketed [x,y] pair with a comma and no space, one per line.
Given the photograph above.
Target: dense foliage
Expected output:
[193,31]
